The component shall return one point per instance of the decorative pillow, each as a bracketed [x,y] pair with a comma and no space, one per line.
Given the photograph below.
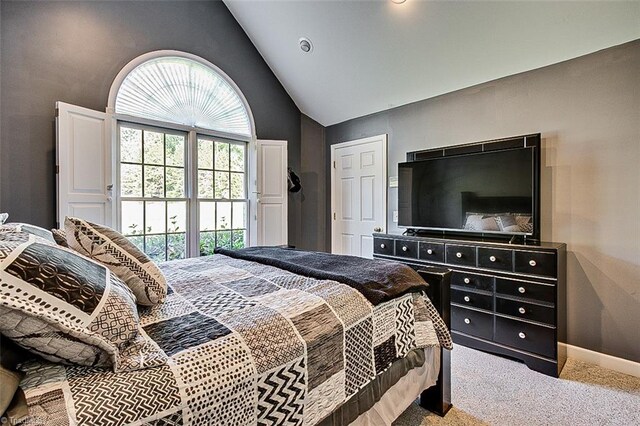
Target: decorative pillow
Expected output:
[524,222]
[32,229]
[481,222]
[67,308]
[121,256]
[508,223]
[3,218]
[60,237]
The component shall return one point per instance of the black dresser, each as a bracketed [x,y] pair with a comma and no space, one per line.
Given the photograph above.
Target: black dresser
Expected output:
[506,298]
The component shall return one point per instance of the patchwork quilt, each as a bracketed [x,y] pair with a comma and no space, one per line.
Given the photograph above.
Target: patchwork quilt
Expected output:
[247,344]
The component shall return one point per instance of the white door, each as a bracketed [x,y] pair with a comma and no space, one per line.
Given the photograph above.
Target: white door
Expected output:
[272,193]
[83,158]
[358,194]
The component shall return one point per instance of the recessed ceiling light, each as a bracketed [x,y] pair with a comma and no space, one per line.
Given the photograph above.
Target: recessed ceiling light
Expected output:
[398,1]
[305,45]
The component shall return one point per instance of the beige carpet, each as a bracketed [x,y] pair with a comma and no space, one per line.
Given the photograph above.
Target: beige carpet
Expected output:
[490,390]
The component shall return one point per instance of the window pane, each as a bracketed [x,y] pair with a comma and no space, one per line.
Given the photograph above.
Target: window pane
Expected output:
[237,186]
[223,218]
[132,217]
[130,145]
[176,216]
[175,150]
[223,239]
[205,184]
[153,148]
[153,181]
[238,239]
[131,180]
[138,241]
[155,217]
[176,246]
[205,154]
[222,185]
[155,246]
[239,215]
[237,158]
[207,243]
[207,216]
[175,182]
[222,156]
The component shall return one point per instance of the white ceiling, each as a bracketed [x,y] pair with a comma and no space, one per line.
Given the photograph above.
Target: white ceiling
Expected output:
[372,55]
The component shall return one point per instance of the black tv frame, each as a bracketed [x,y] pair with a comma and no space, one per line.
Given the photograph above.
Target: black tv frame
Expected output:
[524,141]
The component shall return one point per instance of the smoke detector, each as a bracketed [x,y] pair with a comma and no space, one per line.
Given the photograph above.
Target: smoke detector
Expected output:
[305,45]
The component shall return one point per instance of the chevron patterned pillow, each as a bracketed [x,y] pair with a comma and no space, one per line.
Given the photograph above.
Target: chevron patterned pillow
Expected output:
[123,258]
[66,308]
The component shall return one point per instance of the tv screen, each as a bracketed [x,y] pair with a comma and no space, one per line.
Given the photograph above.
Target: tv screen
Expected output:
[487,192]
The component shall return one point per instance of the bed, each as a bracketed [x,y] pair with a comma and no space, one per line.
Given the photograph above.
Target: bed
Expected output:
[247,342]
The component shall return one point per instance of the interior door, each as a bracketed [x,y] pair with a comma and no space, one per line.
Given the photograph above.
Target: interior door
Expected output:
[358,194]
[84,165]
[272,193]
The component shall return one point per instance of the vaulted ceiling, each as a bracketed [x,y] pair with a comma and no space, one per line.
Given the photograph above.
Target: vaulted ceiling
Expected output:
[369,56]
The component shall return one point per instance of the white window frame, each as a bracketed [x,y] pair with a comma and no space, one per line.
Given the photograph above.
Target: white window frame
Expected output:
[191,166]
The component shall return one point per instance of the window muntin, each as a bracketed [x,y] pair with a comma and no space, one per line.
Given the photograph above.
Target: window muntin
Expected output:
[184,91]
[222,194]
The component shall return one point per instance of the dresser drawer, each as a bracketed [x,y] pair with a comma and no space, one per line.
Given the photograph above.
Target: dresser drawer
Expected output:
[433,252]
[474,300]
[472,322]
[461,255]
[406,248]
[383,246]
[526,289]
[481,282]
[530,262]
[526,310]
[525,336]
[495,258]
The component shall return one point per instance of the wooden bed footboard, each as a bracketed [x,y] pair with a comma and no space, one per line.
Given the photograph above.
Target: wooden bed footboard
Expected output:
[438,398]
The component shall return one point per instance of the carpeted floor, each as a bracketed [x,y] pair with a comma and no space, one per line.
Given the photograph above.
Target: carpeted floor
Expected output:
[490,390]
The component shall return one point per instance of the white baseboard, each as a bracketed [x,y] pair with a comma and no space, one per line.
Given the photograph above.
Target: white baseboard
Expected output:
[603,360]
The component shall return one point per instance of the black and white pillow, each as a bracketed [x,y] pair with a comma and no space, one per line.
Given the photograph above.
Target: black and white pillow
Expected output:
[481,222]
[121,256]
[508,223]
[67,308]
[60,237]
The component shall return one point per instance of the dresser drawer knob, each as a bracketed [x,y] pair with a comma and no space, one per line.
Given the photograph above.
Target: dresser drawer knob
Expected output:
[492,258]
[522,310]
[467,321]
[383,245]
[405,248]
[458,255]
[467,280]
[429,251]
[467,299]
[532,262]
[521,289]
[522,335]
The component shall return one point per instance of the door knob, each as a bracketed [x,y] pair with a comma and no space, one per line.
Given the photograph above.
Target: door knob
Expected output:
[377,229]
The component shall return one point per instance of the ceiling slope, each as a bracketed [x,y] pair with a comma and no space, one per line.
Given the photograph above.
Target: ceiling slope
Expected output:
[369,56]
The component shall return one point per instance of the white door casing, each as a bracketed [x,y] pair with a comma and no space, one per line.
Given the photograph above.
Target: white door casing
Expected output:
[358,194]
[84,165]
[272,193]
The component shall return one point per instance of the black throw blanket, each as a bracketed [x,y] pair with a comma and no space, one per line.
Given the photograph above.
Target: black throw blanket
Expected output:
[378,280]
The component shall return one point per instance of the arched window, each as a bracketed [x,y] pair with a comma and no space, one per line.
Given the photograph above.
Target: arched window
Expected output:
[183,131]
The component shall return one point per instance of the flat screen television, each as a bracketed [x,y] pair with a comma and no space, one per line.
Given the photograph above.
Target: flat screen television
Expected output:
[494,192]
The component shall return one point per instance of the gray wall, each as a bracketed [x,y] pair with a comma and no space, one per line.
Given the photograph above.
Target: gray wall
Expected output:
[313,185]
[72,51]
[588,111]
